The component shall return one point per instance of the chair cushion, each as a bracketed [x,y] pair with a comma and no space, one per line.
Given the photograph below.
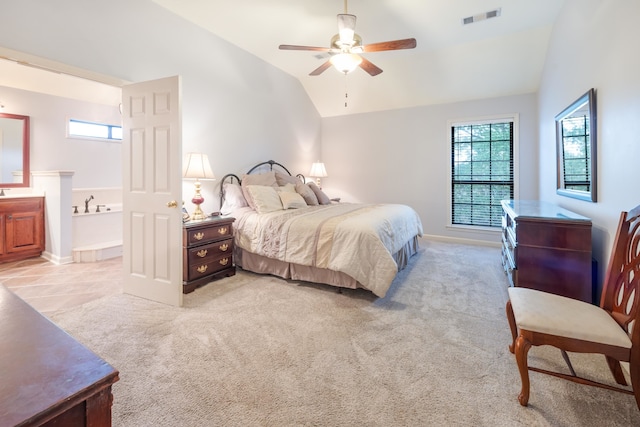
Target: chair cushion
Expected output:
[538,311]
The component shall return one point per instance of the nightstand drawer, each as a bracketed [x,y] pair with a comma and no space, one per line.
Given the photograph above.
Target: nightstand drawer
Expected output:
[207,267]
[213,250]
[204,235]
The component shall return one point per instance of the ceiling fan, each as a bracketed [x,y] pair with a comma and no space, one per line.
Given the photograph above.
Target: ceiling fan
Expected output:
[346,47]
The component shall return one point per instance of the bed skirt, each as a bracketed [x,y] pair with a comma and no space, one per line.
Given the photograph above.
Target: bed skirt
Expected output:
[263,265]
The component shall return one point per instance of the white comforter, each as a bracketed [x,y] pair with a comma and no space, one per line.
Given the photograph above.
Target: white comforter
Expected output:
[354,239]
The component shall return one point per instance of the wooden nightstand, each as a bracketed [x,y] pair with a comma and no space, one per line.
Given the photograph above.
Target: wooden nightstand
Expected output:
[207,251]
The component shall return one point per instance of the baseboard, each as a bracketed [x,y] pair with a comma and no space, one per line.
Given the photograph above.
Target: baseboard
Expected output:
[461,240]
[55,259]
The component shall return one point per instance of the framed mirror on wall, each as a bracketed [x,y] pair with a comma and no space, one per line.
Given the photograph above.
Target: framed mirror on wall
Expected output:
[576,136]
[14,151]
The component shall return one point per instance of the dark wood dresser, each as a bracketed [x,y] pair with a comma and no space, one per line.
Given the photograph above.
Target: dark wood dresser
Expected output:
[548,248]
[207,251]
[47,377]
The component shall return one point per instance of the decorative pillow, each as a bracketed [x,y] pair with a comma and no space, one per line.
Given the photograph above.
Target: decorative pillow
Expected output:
[289,188]
[292,200]
[267,178]
[283,178]
[323,199]
[307,194]
[233,198]
[265,198]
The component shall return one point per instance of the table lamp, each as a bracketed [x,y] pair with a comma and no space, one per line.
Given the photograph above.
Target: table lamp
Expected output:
[196,166]
[318,171]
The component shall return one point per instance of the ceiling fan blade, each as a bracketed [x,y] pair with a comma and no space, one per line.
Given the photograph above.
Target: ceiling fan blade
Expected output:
[370,67]
[295,47]
[391,45]
[320,69]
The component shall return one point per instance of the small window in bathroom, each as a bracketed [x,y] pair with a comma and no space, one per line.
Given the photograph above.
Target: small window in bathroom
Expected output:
[83,129]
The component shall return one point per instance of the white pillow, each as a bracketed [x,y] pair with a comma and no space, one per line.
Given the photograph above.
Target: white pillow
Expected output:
[265,198]
[292,200]
[288,188]
[233,199]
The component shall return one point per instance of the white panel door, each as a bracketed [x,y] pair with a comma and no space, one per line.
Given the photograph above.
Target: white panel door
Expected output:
[152,189]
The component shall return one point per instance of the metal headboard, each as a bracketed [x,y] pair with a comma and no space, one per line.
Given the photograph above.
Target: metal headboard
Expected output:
[230,176]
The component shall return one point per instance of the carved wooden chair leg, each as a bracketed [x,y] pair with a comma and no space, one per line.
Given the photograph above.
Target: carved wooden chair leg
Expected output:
[634,371]
[616,370]
[521,350]
[512,324]
[565,356]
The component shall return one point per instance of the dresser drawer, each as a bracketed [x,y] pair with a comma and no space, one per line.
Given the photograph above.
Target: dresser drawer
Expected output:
[204,235]
[205,253]
[207,267]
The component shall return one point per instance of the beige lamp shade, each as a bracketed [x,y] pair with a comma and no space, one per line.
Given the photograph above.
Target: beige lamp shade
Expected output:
[197,166]
[318,171]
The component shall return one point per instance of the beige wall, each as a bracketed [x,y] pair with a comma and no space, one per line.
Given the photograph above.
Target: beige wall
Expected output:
[594,44]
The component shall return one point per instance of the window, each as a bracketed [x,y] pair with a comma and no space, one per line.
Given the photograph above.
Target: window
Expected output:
[481,171]
[82,129]
[576,154]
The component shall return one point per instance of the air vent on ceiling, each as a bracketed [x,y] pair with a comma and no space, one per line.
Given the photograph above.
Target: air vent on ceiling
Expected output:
[481,16]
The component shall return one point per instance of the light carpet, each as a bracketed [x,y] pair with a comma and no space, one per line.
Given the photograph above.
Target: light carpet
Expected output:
[254,350]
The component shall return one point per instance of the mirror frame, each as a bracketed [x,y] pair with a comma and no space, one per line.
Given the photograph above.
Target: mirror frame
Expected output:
[588,99]
[26,173]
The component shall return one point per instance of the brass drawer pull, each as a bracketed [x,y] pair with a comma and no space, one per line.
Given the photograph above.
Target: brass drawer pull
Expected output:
[224,261]
[199,236]
[223,230]
[224,247]
[202,253]
[202,268]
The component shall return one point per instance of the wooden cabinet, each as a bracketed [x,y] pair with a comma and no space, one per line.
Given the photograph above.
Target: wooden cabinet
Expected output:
[548,248]
[48,378]
[21,228]
[207,251]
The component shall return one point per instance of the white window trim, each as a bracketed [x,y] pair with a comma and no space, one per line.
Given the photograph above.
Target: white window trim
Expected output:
[501,118]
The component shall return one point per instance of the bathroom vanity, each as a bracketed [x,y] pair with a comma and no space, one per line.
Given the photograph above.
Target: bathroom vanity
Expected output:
[21,227]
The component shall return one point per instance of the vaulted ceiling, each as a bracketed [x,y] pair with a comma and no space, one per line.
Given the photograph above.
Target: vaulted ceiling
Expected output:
[452,62]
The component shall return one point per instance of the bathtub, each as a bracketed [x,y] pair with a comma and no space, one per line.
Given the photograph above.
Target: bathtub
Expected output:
[97,235]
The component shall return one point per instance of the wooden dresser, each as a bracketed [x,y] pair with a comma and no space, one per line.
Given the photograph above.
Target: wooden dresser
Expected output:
[548,248]
[48,378]
[207,251]
[21,228]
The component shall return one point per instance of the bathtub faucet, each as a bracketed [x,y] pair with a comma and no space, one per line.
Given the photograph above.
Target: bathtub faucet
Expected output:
[86,204]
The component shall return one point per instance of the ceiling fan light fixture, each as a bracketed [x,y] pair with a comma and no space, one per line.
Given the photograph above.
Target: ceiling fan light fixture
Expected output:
[345,62]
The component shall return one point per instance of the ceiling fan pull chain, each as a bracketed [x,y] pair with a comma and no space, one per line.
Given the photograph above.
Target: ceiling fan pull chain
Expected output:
[346,94]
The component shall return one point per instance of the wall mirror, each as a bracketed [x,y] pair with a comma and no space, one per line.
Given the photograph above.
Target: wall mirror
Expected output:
[14,151]
[576,135]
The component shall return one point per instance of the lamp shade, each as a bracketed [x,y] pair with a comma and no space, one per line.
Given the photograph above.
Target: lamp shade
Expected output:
[196,166]
[318,170]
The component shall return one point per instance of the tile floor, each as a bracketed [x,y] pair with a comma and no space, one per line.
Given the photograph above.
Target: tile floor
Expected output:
[49,287]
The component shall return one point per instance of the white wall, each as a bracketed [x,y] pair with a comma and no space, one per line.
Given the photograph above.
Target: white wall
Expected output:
[403,156]
[236,108]
[95,163]
[595,44]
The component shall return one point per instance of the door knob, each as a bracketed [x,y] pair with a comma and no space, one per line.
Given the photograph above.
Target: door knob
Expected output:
[172,204]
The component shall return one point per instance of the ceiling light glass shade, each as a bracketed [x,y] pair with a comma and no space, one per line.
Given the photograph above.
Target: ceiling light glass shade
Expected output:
[346,28]
[345,62]
[196,166]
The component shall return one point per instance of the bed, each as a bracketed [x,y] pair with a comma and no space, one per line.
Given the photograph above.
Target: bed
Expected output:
[291,229]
